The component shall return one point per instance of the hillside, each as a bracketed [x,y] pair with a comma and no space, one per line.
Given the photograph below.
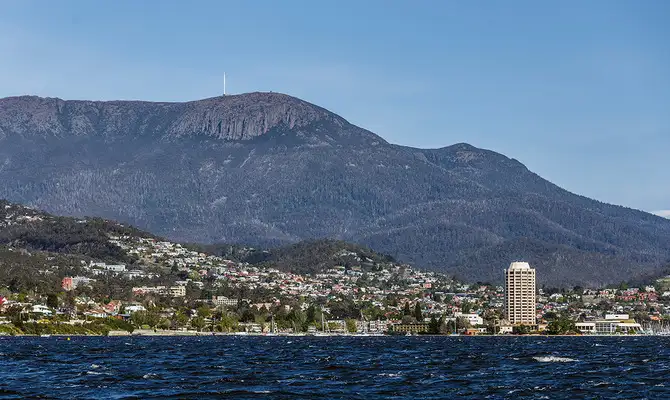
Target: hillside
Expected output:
[36,231]
[267,169]
[306,257]
[38,249]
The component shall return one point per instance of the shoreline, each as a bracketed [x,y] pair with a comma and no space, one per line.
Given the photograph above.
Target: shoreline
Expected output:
[162,333]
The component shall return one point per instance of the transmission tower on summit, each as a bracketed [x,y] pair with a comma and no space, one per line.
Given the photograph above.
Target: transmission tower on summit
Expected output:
[224,83]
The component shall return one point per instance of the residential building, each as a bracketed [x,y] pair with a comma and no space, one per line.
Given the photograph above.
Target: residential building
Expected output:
[520,301]
[473,319]
[224,301]
[73,282]
[410,328]
[172,291]
[177,291]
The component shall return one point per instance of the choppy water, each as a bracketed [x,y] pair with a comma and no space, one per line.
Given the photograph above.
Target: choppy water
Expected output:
[335,367]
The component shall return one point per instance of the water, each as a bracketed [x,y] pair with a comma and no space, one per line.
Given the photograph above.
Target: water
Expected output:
[335,367]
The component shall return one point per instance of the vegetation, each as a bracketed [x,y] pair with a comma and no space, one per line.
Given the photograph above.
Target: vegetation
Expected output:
[100,326]
[561,325]
[314,256]
[459,209]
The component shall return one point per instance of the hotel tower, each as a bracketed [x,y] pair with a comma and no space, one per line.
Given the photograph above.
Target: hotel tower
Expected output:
[520,299]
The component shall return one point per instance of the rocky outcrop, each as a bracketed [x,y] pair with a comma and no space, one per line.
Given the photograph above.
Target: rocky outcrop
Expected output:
[237,117]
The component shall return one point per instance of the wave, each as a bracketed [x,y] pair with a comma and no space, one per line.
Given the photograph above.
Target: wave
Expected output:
[554,359]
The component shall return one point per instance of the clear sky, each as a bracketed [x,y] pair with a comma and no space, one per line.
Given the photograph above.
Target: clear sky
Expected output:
[579,91]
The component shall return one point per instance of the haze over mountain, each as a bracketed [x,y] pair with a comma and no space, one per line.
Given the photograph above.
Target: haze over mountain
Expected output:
[270,169]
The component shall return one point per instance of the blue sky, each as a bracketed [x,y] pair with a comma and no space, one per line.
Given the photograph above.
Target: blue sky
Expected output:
[579,91]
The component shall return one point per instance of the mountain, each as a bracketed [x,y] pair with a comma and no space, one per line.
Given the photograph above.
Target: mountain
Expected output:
[268,169]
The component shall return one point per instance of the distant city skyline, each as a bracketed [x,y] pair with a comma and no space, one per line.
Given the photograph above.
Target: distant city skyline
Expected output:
[577,91]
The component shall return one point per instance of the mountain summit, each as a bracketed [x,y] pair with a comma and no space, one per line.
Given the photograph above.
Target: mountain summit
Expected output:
[270,169]
[231,118]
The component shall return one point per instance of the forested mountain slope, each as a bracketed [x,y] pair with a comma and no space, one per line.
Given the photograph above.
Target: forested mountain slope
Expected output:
[269,169]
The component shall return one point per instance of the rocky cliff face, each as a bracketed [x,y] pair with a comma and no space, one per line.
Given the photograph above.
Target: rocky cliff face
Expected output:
[234,118]
[269,169]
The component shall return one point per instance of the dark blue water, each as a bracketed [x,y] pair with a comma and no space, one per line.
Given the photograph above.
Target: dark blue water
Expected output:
[335,367]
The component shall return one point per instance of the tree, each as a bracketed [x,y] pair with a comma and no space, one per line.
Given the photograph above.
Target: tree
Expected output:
[351,326]
[164,324]
[179,319]
[139,318]
[445,327]
[462,323]
[227,323]
[417,312]
[433,326]
[561,326]
[297,318]
[406,310]
[52,300]
[521,329]
[198,323]
[204,311]
[466,307]
[152,319]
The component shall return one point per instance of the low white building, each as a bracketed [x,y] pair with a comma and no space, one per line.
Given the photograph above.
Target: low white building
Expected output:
[41,309]
[611,325]
[134,308]
[224,301]
[172,291]
[473,319]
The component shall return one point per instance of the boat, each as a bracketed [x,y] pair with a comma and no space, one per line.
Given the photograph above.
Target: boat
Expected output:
[45,335]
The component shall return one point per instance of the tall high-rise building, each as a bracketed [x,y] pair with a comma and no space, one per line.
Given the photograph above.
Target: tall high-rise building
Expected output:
[520,301]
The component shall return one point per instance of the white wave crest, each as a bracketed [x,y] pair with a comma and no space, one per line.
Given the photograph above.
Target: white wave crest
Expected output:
[554,359]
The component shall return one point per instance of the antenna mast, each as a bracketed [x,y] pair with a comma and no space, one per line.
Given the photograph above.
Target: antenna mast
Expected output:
[224,83]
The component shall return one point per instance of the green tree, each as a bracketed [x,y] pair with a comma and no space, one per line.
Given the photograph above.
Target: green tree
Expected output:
[466,307]
[164,324]
[52,300]
[521,329]
[418,314]
[298,319]
[406,310]
[351,326]
[179,319]
[227,323]
[433,326]
[138,318]
[204,311]
[152,319]
[561,326]
[198,323]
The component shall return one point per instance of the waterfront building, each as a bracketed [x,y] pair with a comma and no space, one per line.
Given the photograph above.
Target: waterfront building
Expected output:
[410,328]
[612,324]
[520,300]
[473,319]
